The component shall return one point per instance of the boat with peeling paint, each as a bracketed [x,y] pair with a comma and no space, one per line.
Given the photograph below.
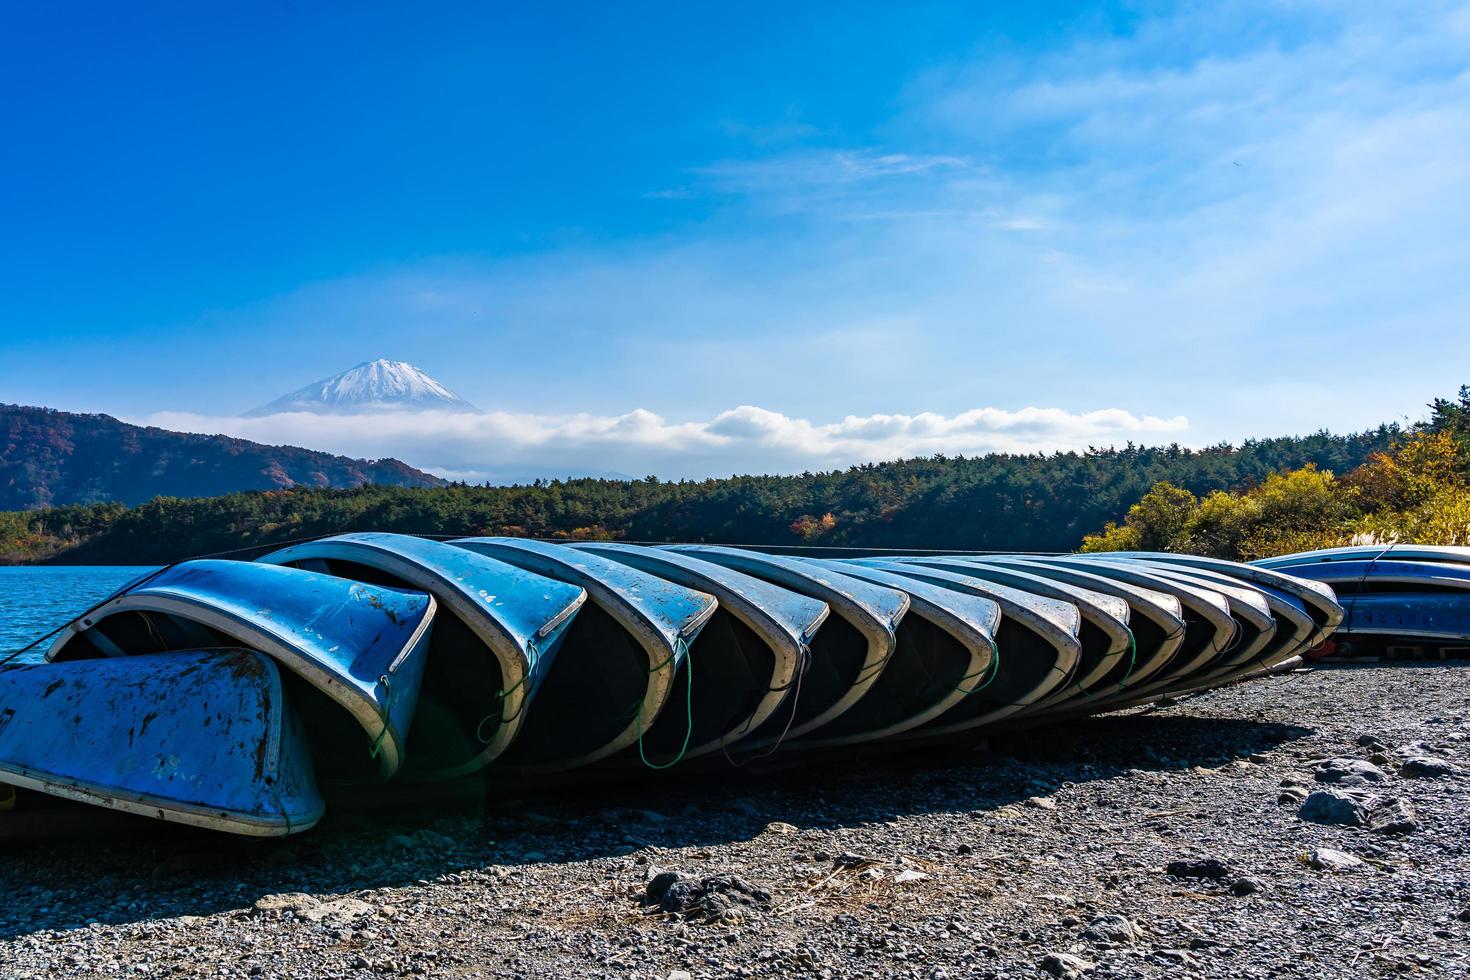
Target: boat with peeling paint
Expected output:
[495,637]
[770,629]
[354,652]
[200,737]
[1037,649]
[946,650]
[855,644]
[622,679]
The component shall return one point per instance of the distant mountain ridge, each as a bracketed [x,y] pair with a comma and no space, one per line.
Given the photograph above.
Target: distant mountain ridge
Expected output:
[370,386]
[49,458]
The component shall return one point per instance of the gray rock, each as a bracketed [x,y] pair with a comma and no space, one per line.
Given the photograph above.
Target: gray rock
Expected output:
[1111,929]
[1242,887]
[1331,859]
[1395,816]
[1330,806]
[1066,966]
[1349,772]
[1427,767]
[659,882]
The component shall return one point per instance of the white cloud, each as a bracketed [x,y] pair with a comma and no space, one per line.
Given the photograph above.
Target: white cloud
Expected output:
[504,447]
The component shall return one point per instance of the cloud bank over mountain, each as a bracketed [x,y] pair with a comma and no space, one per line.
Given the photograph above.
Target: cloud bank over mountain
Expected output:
[506,447]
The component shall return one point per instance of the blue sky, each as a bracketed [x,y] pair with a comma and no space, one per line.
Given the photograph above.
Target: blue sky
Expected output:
[686,239]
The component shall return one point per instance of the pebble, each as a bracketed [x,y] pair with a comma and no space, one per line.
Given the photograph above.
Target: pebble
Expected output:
[1111,929]
[473,893]
[1210,868]
[1395,816]
[1331,859]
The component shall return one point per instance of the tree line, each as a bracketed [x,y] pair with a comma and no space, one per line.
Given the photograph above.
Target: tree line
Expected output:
[1014,502]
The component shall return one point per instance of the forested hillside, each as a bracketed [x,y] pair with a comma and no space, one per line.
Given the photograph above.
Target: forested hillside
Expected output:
[1416,492]
[1035,502]
[50,458]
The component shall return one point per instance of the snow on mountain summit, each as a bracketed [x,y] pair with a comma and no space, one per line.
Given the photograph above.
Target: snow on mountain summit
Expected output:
[372,386]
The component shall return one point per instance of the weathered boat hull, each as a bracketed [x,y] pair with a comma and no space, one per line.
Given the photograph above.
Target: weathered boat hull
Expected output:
[945,649]
[616,672]
[496,634]
[355,648]
[205,738]
[855,644]
[772,643]
[1037,650]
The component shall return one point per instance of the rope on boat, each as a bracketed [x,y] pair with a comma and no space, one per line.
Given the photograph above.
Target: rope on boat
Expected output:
[994,668]
[794,686]
[679,647]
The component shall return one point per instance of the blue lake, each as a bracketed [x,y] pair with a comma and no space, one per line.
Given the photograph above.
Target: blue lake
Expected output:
[35,601]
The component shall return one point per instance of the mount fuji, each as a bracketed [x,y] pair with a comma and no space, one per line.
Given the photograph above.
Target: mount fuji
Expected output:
[372,386]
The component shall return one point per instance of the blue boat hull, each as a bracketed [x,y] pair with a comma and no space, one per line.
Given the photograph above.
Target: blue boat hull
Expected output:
[496,635]
[206,738]
[349,647]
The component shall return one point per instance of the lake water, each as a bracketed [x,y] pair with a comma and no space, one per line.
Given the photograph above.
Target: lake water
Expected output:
[35,601]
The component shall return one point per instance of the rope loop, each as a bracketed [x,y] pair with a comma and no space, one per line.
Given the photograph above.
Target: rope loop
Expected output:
[680,648]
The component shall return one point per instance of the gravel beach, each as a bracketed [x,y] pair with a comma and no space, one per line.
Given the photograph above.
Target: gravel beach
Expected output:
[1185,841]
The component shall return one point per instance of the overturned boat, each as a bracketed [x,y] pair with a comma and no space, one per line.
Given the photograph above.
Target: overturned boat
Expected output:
[1107,657]
[354,653]
[768,630]
[497,632]
[945,651]
[853,647]
[206,738]
[1037,648]
[613,684]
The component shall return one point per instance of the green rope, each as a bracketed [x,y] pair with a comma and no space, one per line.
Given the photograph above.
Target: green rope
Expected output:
[1132,660]
[532,655]
[994,669]
[679,645]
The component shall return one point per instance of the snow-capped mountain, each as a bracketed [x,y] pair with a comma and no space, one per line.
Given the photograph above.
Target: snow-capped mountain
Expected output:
[380,385]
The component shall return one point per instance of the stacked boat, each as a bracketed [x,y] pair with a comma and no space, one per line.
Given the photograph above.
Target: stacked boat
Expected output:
[232,695]
[1399,600]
